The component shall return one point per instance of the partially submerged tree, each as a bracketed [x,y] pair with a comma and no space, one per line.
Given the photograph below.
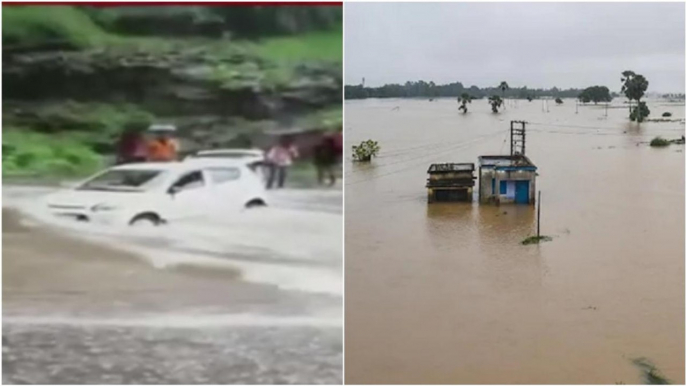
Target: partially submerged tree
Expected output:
[639,113]
[496,102]
[463,100]
[503,87]
[634,88]
[365,151]
[595,94]
[558,101]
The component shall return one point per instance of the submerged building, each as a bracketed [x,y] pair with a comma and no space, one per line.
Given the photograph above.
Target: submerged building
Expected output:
[450,182]
[507,179]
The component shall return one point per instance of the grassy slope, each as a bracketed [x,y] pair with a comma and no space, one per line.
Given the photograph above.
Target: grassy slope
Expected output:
[30,153]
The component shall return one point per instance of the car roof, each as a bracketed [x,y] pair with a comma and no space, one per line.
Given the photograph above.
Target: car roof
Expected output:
[232,151]
[178,167]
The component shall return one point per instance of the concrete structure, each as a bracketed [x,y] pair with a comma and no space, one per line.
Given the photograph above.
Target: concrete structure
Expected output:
[450,182]
[507,179]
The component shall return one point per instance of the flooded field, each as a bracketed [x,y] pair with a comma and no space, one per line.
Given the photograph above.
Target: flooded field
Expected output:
[445,293]
[254,297]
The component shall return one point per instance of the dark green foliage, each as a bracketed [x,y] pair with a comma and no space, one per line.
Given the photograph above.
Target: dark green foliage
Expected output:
[659,142]
[558,101]
[76,76]
[425,89]
[595,94]
[667,114]
[651,375]
[366,150]
[496,102]
[634,87]
[463,100]
[503,86]
[639,113]
[536,239]
[53,27]
[38,155]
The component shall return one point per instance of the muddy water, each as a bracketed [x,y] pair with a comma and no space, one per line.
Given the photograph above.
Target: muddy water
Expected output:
[444,293]
[245,299]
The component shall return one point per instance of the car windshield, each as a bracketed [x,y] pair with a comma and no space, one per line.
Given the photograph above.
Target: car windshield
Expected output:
[123,180]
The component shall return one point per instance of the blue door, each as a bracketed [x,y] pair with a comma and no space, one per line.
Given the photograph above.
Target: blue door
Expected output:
[522,192]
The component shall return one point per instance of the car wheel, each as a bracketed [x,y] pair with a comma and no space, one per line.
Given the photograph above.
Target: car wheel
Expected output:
[255,203]
[145,221]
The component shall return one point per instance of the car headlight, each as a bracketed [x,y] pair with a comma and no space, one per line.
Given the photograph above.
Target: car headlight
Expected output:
[103,208]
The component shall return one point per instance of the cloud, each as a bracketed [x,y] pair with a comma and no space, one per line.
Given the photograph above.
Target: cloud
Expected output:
[532,44]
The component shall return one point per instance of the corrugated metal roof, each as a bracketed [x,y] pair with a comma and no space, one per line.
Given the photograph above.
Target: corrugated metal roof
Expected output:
[451,167]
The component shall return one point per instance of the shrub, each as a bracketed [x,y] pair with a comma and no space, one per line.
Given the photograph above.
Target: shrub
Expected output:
[659,142]
[365,151]
[667,114]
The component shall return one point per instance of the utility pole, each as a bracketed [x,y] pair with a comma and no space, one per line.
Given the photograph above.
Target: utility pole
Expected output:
[538,217]
[517,138]
[577,106]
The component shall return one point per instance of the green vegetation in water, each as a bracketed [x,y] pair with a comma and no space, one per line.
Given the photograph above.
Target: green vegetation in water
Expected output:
[365,151]
[595,94]
[27,154]
[650,374]
[463,100]
[536,239]
[659,142]
[634,87]
[495,102]
[666,114]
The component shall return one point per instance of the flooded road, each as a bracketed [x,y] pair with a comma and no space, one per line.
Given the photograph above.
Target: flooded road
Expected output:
[251,298]
[445,293]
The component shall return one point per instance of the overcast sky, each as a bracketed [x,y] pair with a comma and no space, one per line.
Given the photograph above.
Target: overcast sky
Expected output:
[533,44]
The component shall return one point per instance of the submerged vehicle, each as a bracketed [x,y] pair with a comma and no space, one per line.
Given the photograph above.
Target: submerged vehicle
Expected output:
[156,193]
[254,159]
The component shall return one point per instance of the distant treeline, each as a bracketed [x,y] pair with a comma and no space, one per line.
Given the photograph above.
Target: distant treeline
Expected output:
[431,90]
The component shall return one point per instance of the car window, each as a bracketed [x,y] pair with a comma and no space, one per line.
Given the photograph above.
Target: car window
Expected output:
[192,180]
[222,175]
[122,179]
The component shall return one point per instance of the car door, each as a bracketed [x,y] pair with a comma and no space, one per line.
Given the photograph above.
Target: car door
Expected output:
[189,195]
[227,190]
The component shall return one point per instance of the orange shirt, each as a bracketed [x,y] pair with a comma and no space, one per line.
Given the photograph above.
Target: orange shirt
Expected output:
[160,150]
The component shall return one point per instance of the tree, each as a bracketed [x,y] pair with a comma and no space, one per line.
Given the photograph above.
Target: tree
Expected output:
[634,88]
[495,102]
[640,112]
[595,94]
[503,87]
[558,101]
[464,99]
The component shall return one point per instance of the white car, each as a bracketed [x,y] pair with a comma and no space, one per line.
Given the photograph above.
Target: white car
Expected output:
[253,158]
[155,193]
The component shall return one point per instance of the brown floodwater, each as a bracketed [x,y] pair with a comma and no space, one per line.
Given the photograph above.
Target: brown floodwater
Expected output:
[445,293]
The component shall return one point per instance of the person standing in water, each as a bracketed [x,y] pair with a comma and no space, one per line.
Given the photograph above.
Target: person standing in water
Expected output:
[280,157]
[131,147]
[325,159]
[163,147]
